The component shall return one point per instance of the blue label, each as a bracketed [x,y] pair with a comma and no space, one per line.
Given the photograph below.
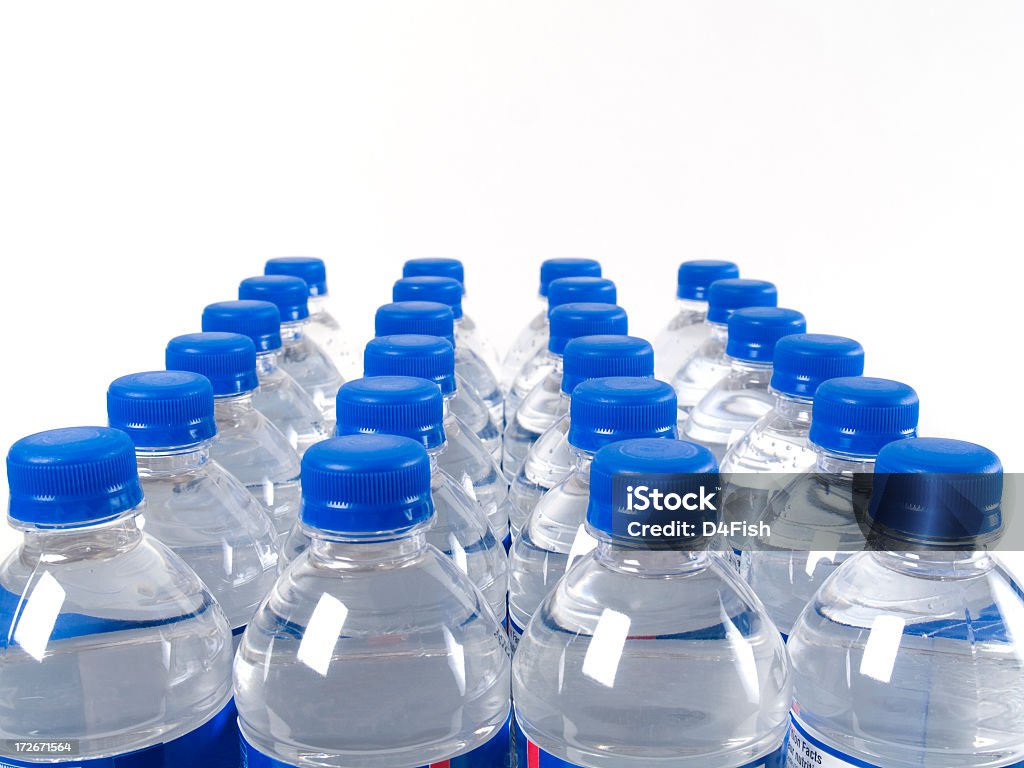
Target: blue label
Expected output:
[515,633]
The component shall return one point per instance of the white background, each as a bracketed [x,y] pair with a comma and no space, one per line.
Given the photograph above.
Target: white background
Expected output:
[868,157]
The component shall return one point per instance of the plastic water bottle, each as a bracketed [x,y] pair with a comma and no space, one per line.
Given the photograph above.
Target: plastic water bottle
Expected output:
[323,328]
[688,329]
[414,408]
[473,367]
[741,397]
[812,519]
[113,649]
[429,318]
[650,651]
[545,403]
[373,650]
[534,337]
[709,363]
[604,411]
[279,397]
[911,655]
[193,505]
[565,290]
[550,458]
[465,458]
[303,358]
[247,444]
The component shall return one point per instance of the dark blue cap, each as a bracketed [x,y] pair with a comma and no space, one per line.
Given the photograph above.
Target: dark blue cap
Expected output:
[594,357]
[366,486]
[289,294]
[309,268]
[259,320]
[695,277]
[162,409]
[937,492]
[424,318]
[569,290]
[228,360]
[72,477]
[425,357]
[571,321]
[443,290]
[858,415]
[435,268]
[804,360]
[553,269]
[754,332]
[726,296]
[392,405]
[615,408]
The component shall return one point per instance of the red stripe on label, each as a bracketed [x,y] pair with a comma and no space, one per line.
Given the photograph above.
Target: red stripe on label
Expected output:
[532,755]
[442,764]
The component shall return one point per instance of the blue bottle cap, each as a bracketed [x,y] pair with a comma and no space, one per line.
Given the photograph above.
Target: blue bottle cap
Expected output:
[392,405]
[754,332]
[695,277]
[228,360]
[594,357]
[289,294]
[607,410]
[435,268]
[553,269]
[72,477]
[804,360]
[570,290]
[162,409]
[571,321]
[726,296]
[369,487]
[424,318]
[259,320]
[309,268]
[443,290]
[425,357]
[857,415]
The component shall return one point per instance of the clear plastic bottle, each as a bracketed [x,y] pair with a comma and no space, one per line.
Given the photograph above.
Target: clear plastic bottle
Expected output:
[193,505]
[247,444]
[414,408]
[549,459]
[534,337]
[650,652]
[430,318]
[373,650]
[279,397]
[473,368]
[323,328]
[813,519]
[604,411]
[687,330]
[465,458]
[910,655]
[110,641]
[303,358]
[735,403]
[708,364]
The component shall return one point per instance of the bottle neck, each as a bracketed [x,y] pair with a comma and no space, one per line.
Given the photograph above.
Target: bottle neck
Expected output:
[937,564]
[581,461]
[554,359]
[831,463]
[717,331]
[268,362]
[754,373]
[232,406]
[172,461]
[65,545]
[293,331]
[330,551]
[650,562]
[692,306]
[792,407]
[317,304]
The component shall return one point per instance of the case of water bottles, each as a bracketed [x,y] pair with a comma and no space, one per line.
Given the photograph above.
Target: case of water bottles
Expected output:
[728,548]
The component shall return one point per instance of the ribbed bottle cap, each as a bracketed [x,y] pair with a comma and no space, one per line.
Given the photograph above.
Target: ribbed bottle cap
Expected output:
[553,269]
[228,360]
[726,296]
[695,277]
[754,332]
[309,268]
[424,318]
[443,290]
[594,357]
[435,268]
[392,405]
[162,409]
[366,486]
[858,415]
[615,408]
[259,320]
[570,290]
[425,357]
[289,294]
[72,477]
[571,321]
[804,360]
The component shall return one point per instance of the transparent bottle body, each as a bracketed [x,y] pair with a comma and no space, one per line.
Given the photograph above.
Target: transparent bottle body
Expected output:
[678,340]
[326,333]
[472,411]
[730,408]
[547,462]
[914,660]
[538,411]
[288,406]
[468,336]
[531,340]
[372,655]
[532,373]
[310,366]
[702,370]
